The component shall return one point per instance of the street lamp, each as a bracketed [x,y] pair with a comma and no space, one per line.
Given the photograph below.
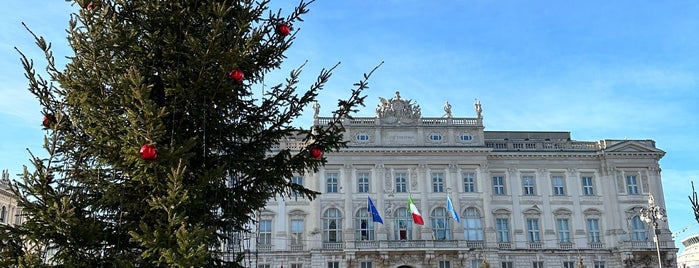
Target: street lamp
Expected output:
[653,215]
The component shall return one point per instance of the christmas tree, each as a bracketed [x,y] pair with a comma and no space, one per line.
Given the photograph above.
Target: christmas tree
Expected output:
[158,150]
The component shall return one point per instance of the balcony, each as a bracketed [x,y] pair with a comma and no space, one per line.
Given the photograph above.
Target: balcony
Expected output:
[536,245]
[565,245]
[595,245]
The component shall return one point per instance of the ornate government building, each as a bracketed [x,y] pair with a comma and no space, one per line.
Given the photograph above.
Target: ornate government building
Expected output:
[522,199]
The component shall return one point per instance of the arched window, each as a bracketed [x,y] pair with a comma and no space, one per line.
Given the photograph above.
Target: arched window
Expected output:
[639,229]
[363,225]
[440,224]
[332,225]
[403,225]
[473,227]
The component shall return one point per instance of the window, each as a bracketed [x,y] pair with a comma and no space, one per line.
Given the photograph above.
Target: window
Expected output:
[334,264]
[363,182]
[438,182]
[599,264]
[3,214]
[436,137]
[331,182]
[18,217]
[538,264]
[528,185]
[264,266]
[533,230]
[297,180]
[469,182]
[587,186]
[296,265]
[631,185]
[296,232]
[639,229]
[403,225]
[506,264]
[265,232]
[401,182]
[332,225]
[498,185]
[362,137]
[444,264]
[465,137]
[440,224]
[563,230]
[568,264]
[364,225]
[473,228]
[502,226]
[558,186]
[593,232]
[365,264]
[476,263]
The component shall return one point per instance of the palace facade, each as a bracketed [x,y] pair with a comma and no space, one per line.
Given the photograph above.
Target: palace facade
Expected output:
[522,199]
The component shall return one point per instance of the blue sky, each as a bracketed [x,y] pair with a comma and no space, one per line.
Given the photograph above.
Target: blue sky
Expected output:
[599,69]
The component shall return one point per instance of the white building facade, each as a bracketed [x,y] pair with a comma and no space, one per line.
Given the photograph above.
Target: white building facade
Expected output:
[10,213]
[524,199]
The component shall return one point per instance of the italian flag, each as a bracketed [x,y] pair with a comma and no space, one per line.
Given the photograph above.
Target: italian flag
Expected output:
[417,218]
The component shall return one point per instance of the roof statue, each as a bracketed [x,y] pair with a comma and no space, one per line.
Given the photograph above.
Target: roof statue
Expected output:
[397,110]
[478,108]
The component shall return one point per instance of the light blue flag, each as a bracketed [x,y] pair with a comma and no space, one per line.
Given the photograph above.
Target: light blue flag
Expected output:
[450,208]
[374,212]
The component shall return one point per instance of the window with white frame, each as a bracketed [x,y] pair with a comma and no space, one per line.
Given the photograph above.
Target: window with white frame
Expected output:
[473,227]
[563,228]
[332,225]
[528,185]
[297,180]
[587,185]
[506,264]
[440,224]
[444,264]
[502,227]
[469,182]
[333,264]
[265,232]
[296,265]
[401,182]
[538,264]
[403,225]
[363,182]
[365,264]
[296,232]
[593,231]
[533,231]
[598,264]
[638,232]
[364,225]
[3,214]
[559,187]
[498,185]
[632,184]
[568,264]
[437,182]
[331,182]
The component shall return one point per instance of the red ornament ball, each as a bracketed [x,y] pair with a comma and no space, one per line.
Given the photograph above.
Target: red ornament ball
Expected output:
[316,153]
[236,75]
[283,30]
[90,6]
[149,152]
[48,121]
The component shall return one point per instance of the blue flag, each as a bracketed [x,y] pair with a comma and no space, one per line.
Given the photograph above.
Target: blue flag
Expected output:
[450,208]
[374,212]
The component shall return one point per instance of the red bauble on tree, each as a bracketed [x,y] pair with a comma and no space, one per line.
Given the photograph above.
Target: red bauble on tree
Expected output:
[149,152]
[316,153]
[48,121]
[283,30]
[236,75]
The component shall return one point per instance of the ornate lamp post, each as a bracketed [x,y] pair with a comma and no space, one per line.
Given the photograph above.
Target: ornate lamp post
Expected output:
[653,215]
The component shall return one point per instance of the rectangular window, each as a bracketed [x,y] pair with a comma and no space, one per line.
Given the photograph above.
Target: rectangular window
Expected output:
[498,185]
[503,230]
[528,185]
[599,264]
[331,182]
[363,182]
[469,182]
[296,265]
[558,186]
[334,264]
[506,264]
[563,230]
[265,232]
[438,182]
[401,182]
[365,264]
[568,264]
[632,185]
[444,264]
[533,230]
[297,180]
[264,266]
[593,232]
[538,264]
[587,186]
[296,232]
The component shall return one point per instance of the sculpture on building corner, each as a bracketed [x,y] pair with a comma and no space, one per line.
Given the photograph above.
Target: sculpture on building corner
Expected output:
[478,108]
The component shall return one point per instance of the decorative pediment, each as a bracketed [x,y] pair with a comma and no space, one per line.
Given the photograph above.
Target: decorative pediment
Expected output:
[398,110]
[632,146]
